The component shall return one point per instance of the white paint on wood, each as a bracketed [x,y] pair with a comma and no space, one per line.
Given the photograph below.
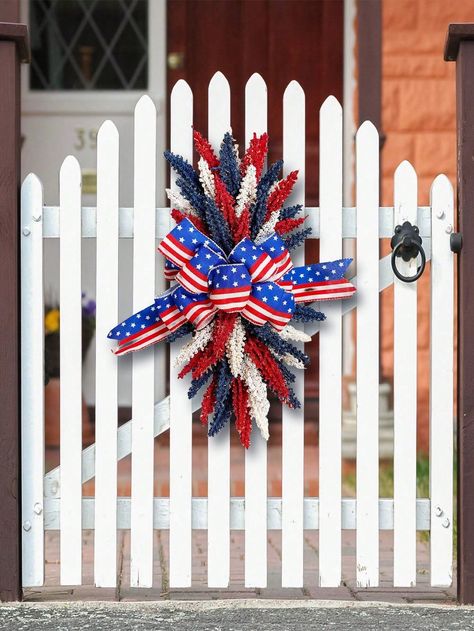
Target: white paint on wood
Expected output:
[143,373]
[161,519]
[441,384]
[105,541]
[367,199]
[51,222]
[256,455]
[180,405]
[32,380]
[293,420]
[70,306]
[64,507]
[218,541]
[330,349]
[52,486]
[404,392]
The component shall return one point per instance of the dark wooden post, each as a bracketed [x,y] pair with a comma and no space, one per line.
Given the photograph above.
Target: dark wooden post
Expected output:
[369,53]
[460,48]
[13,50]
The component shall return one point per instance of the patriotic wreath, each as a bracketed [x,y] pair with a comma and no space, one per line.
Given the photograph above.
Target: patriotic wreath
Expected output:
[236,288]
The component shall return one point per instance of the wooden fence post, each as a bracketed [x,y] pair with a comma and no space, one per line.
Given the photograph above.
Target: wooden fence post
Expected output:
[14,49]
[460,48]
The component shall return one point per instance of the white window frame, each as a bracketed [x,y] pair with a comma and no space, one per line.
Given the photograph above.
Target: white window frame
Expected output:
[99,101]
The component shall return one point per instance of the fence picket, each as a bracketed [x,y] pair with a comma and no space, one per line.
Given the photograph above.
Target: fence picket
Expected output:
[61,488]
[70,305]
[105,540]
[32,379]
[256,456]
[404,395]
[441,386]
[143,373]
[218,483]
[367,179]
[293,420]
[180,405]
[330,349]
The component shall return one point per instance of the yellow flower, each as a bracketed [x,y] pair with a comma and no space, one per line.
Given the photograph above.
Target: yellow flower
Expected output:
[51,321]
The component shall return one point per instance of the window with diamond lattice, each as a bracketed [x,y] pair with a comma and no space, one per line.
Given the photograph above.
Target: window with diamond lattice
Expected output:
[89,44]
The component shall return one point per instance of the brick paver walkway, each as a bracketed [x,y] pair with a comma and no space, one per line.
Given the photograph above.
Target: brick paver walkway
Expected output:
[348,591]
[422,593]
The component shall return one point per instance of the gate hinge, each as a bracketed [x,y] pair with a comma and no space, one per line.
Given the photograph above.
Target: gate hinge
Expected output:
[455,242]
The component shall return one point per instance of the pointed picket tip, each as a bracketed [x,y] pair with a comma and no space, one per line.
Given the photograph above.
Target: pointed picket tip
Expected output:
[107,129]
[441,184]
[70,168]
[367,129]
[293,89]
[405,169]
[32,181]
[181,89]
[331,104]
[145,105]
[31,189]
[219,81]
[256,82]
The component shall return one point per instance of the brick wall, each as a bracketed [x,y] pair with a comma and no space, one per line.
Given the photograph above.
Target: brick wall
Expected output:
[418,118]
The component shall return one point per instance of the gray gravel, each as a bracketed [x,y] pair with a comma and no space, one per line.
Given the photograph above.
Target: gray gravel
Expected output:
[232,616]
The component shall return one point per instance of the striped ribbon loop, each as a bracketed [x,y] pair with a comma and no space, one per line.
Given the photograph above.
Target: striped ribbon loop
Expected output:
[320,281]
[229,287]
[268,302]
[259,264]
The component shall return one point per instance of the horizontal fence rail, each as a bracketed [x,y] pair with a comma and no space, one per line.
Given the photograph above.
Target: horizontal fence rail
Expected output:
[162,222]
[273,513]
[53,500]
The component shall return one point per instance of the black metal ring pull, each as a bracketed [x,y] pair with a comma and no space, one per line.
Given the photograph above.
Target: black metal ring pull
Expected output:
[406,244]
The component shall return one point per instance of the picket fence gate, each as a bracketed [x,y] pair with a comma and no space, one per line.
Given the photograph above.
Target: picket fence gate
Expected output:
[54,501]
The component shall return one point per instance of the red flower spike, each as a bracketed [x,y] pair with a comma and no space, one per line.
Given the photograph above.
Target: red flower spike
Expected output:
[269,369]
[208,401]
[255,154]
[193,362]
[277,198]
[243,421]
[287,225]
[179,215]
[225,201]
[204,149]
[215,350]
[242,226]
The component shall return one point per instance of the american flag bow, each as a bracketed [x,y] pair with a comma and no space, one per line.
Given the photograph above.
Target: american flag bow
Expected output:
[256,280]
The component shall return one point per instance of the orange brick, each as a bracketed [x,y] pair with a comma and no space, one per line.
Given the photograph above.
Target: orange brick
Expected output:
[435,152]
[201,488]
[400,14]
[387,190]
[424,187]
[275,488]
[427,105]
[238,488]
[413,66]
[397,147]
[419,41]
[437,14]
[390,104]
[313,488]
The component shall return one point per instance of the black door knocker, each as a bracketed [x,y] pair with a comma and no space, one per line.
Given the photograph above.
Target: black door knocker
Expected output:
[406,243]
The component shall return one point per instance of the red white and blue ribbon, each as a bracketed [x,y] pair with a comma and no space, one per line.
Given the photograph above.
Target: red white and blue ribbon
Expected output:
[257,281]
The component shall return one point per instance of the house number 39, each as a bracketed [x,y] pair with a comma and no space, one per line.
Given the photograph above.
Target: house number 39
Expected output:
[85,138]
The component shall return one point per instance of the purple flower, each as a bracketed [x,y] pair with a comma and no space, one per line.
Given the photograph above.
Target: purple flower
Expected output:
[88,310]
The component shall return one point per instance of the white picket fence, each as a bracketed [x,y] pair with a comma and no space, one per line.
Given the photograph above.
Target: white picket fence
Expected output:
[54,501]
